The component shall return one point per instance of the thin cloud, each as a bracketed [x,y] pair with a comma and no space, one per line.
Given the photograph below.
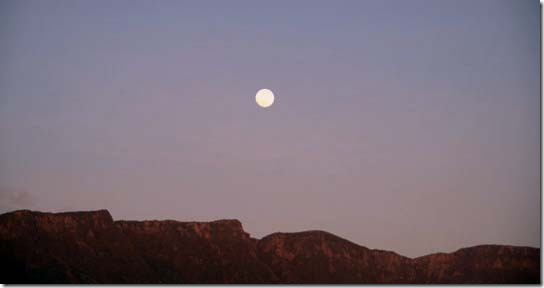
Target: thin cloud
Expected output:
[15,199]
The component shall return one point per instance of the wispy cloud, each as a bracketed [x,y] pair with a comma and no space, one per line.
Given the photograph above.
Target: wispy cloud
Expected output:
[15,199]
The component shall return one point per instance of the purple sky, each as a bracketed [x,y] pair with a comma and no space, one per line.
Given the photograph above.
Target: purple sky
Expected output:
[410,126]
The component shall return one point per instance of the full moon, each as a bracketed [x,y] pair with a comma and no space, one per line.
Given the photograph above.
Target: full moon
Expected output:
[264,98]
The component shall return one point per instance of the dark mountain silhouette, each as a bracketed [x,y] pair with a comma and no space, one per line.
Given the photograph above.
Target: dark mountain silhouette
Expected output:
[89,247]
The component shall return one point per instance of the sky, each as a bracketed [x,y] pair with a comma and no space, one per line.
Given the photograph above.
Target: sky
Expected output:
[411,126]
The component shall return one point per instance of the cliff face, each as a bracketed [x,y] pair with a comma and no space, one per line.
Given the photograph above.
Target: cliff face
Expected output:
[483,264]
[197,252]
[79,247]
[320,257]
[89,247]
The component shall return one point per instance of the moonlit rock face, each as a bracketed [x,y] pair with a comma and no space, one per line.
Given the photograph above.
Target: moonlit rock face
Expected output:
[264,98]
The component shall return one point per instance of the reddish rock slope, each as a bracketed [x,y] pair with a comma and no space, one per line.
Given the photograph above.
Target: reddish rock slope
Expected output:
[89,247]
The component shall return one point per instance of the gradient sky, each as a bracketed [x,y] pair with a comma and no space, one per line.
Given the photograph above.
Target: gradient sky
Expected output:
[411,126]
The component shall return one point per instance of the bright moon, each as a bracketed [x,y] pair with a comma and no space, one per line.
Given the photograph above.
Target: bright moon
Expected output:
[264,98]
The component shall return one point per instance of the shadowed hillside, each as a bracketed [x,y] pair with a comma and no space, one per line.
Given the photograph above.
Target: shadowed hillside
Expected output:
[89,247]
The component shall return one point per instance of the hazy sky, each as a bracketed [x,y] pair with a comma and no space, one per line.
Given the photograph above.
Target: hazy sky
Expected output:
[410,126]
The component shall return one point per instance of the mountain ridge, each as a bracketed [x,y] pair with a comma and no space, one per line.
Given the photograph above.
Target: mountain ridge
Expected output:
[91,247]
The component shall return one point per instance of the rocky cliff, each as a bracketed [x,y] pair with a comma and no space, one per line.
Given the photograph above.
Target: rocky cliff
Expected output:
[89,247]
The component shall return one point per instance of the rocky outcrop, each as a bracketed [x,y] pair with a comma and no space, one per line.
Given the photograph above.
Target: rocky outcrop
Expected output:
[198,252]
[485,264]
[319,257]
[314,257]
[78,247]
[89,247]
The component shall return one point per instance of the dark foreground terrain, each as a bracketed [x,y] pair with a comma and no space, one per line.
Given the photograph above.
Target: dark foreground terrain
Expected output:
[89,247]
